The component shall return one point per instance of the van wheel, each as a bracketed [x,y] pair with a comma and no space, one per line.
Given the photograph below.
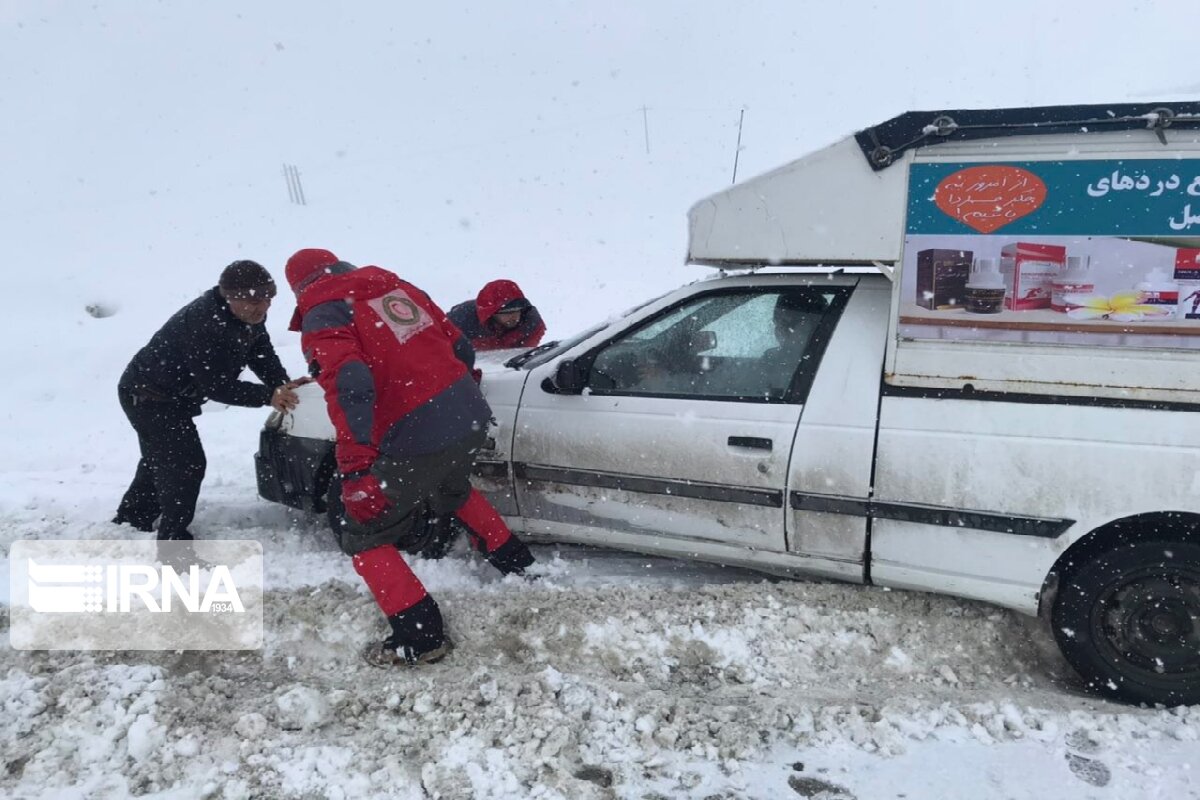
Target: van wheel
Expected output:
[1129,622]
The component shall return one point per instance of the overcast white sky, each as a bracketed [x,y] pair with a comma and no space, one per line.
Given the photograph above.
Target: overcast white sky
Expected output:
[145,141]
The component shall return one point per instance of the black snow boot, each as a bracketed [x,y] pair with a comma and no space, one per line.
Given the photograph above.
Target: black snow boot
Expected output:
[418,637]
[512,557]
[180,555]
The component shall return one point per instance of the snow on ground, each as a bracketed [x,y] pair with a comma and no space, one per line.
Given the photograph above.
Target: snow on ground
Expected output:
[629,689]
[610,676]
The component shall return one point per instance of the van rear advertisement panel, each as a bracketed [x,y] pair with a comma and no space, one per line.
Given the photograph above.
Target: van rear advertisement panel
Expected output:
[1091,252]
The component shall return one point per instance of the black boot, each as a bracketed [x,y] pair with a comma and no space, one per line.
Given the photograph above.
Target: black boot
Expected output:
[512,557]
[180,555]
[418,637]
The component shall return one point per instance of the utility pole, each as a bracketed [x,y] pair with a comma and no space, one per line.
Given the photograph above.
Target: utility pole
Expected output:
[646,128]
[738,150]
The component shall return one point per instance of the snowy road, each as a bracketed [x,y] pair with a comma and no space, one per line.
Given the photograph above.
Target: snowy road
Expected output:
[612,676]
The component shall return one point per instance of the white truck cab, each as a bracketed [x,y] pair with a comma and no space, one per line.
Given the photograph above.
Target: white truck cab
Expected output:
[1037,418]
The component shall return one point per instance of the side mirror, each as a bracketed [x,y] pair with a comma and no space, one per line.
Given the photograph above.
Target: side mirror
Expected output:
[700,341]
[570,377]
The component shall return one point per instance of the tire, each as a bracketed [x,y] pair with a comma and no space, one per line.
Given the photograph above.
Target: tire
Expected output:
[1128,621]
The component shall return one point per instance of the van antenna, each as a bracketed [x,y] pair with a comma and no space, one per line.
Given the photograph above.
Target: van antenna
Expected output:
[737,151]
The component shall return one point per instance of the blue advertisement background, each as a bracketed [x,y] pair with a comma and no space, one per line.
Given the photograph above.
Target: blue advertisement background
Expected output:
[1069,209]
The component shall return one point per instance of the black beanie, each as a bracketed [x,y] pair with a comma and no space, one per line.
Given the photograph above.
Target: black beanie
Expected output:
[516,304]
[246,280]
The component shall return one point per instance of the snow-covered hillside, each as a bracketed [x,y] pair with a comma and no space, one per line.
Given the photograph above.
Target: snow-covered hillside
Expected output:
[559,145]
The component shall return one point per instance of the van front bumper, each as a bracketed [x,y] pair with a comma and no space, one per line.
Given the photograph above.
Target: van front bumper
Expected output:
[293,470]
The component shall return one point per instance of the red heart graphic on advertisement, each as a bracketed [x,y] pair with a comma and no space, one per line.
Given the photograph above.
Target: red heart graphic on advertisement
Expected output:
[988,198]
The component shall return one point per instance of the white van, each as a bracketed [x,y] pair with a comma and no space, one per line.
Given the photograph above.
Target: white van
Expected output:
[1002,406]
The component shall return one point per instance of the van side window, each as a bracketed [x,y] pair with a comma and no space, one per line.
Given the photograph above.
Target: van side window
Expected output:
[741,345]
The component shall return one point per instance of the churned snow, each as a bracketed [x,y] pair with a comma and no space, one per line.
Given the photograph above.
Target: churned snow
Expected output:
[609,676]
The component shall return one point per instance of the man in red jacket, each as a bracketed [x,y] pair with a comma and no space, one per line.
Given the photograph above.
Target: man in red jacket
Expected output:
[409,418]
[500,317]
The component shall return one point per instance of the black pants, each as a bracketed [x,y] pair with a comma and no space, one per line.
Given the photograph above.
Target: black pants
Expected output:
[168,477]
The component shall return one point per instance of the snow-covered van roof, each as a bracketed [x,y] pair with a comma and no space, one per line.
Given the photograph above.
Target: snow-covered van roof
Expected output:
[845,204]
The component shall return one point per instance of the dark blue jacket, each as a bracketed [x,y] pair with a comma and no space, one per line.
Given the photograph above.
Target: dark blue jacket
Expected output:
[199,355]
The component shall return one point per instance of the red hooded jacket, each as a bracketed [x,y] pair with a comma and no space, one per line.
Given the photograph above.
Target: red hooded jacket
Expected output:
[474,318]
[395,370]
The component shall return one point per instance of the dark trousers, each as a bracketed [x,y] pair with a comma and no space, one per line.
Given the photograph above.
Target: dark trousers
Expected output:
[441,480]
[170,471]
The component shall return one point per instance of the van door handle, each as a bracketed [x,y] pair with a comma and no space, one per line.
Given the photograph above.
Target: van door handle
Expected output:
[752,442]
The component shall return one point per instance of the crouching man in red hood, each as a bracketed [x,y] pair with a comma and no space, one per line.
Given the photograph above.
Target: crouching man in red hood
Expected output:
[499,318]
[409,418]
